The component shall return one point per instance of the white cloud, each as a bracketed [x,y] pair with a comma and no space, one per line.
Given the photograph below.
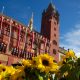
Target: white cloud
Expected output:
[71,40]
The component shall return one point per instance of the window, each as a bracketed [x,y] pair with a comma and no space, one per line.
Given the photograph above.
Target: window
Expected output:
[15,51]
[54,42]
[54,22]
[21,54]
[55,35]
[42,46]
[54,51]
[54,28]
[3,47]
[6,30]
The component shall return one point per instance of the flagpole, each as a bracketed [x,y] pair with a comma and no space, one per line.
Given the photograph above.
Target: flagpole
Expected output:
[1,20]
[25,42]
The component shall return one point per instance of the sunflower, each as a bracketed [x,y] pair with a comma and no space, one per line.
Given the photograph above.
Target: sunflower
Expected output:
[34,62]
[44,63]
[2,68]
[70,53]
[18,73]
[11,70]
[0,77]
[63,61]
[26,63]
[6,72]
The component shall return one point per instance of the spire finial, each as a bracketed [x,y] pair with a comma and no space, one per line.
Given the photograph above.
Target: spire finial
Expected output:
[2,10]
[32,15]
[51,1]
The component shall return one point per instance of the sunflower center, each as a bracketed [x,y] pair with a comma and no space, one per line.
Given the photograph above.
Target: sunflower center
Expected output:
[3,69]
[45,63]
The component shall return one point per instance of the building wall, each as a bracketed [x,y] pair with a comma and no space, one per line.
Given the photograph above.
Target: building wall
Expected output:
[18,41]
[62,52]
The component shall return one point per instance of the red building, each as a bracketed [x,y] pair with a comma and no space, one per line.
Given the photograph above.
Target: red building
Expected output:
[19,41]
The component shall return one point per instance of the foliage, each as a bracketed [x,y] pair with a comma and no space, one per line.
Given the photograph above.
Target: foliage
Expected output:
[69,67]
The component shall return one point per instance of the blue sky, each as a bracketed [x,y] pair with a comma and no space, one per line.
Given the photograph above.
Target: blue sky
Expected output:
[69,11]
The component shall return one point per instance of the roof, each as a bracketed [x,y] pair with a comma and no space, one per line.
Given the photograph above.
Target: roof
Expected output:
[62,50]
[13,20]
[19,23]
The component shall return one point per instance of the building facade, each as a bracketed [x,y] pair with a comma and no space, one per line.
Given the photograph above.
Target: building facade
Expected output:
[18,41]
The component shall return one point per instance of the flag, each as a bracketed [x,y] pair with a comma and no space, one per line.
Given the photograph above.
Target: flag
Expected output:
[25,38]
[2,18]
[26,35]
[45,42]
[32,39]
[8,46]
[32,36]
[19,35]
[10,26]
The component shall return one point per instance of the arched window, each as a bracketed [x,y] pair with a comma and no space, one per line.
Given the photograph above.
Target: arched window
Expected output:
[54,51]
[54,42]
[54,29]
[54,35]
[55,22]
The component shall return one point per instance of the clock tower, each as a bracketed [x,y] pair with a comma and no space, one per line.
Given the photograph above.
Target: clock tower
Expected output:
[50,29]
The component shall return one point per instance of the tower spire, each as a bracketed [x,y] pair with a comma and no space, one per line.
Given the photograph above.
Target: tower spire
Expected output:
[2,10]
[51,7]
[31,23]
